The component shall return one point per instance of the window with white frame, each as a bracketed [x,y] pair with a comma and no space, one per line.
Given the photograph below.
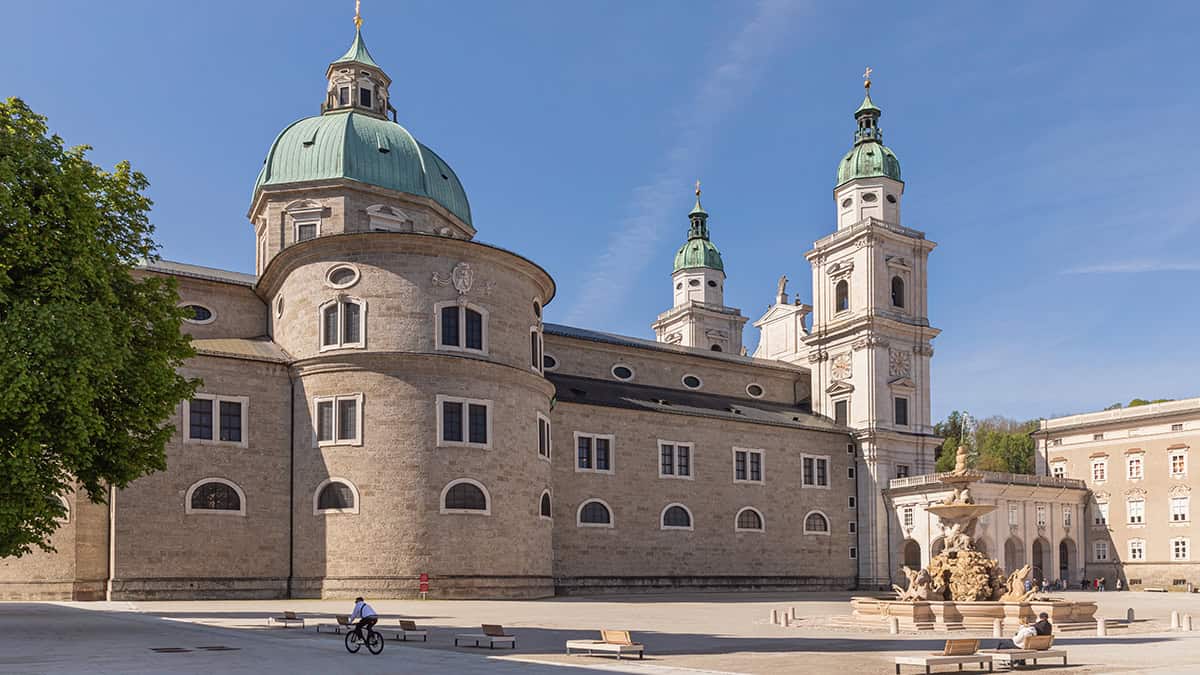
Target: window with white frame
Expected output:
[1134,467]
[536,362]
[854,553]
[748,520]
[747,466]
[594,452]
[1101,515]
[674,459]
[594,513]
[852,502]
[262,251]
[1178,460]
[676,517]
[335,495]
[1014,514]
[1068,512]
[815,471]
[852,527]
[1135,509]
[545,440]
[1179,549]
[1100,551]
[338,419]
[902,471]
[850,473]
[461,327]
[1177,427]
[1099,470]
[907,516]
[466,496]
[1137,549]
[215,496]
[307,228]
[901,411]
[816,522]
[216,419]
[343,323]
[1180,507]
[1042,515]
[841,411]
[464,422]
[1058,469]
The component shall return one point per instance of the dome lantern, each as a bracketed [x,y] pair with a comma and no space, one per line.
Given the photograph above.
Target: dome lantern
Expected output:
[698,251]
[869,157]
[356,82]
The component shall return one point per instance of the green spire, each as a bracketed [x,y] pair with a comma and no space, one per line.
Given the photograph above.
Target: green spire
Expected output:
[699,218]
[358,52]
[867,106]
[698,251]
[869,157]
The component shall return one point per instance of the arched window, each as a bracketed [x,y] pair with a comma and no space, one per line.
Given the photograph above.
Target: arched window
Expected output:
[676,517]
[595,513]
[343,322]
[816,523]
[716,348]
[897,292]
[843,295]
[216,496]
[544,509]
[461,327]
[749,520]
[465,496]
[335,495]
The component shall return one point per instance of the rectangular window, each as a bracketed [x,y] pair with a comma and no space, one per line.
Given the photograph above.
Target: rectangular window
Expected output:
[841,412]
[901,471]
[675,459]
[668,460]
[850,472]
[1137,549]
[1101,514]
[854,553]
[1014,514]
[1100,551]
[1068,515]
[338,419]
[364,97]
[908,517]
[685,460]
[201,419]
[1179,509]
[1179,549]
[1134,464]
[450,326]
[1042,515]
[1058,469]
[853,527]
[1097,437]
[536,361]
[461,327]
[747,466]
[544,437]
[220,419]
[306,230]
[344,96]
[1099,470]
[464,421]
[1136,510]
[231,421]
[594,452]
[901,412]
[851,502]
[1178,463]
[815,471]
[351,322]
[1177,427]
[1057,441]
[474,337]
[342,323]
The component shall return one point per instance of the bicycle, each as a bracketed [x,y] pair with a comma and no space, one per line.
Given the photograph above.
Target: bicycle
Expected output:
[373,640]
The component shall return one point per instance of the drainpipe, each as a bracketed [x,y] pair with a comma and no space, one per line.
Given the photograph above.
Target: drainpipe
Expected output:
[857,521]
[291,480]
[112,543]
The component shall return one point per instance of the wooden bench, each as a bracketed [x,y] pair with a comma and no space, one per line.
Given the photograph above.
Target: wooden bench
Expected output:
[407,629]
[492,635]
[288,619]
[956,652]
[611,641]
[1036,647]
[343,625]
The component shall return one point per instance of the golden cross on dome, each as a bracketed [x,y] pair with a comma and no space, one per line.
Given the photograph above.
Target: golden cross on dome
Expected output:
[867,77]
[357,15]
[697,188]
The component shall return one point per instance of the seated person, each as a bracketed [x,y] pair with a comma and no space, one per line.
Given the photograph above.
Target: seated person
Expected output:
[1043,625]
[1026,631]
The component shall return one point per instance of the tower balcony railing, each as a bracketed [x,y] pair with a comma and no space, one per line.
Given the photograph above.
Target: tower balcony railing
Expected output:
[995,477]
[869,223]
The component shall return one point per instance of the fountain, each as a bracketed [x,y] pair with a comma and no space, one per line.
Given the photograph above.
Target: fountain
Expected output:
[962,587]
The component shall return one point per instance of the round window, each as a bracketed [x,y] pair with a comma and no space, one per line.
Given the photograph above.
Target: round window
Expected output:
[691,382]
[754,390]
[694,282]
[622,372]
[712,284]
[847,202]
[870,197]
[549,362]
[200,314]
[891,199]
[342,276]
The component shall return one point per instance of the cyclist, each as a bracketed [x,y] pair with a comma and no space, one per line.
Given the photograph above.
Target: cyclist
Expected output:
[364,615]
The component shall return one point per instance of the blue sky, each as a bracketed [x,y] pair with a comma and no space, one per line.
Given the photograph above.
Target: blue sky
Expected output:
[1049,148]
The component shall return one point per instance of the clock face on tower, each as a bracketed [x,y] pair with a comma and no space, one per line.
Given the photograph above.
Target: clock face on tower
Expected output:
[841,366]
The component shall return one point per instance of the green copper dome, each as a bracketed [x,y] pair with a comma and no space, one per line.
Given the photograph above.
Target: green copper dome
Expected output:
[698,251]
[869,158]
[363,148]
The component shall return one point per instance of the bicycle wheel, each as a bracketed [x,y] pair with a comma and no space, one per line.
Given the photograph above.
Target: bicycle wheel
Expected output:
[353,643]
[374,642]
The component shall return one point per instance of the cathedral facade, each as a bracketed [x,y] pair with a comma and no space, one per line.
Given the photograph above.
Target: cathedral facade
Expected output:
[384,410]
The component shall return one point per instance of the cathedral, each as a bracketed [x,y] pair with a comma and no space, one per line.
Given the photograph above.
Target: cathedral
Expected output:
[384,411]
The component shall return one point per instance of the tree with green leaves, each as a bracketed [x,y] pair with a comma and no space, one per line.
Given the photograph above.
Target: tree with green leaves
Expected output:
[88,353]
[994,444]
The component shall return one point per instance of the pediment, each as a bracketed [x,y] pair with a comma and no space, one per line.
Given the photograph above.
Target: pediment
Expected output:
[781,311]
[902,383]
[897,261]
[839,387]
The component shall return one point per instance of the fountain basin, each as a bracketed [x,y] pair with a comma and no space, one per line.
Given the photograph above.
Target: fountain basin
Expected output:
[952,615]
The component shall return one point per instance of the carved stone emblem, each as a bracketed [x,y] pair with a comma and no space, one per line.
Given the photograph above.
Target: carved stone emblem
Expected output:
[841,366]
[900,363]
[463,278]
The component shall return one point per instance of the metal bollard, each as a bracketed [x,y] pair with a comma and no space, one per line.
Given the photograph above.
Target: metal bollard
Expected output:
[1174,620]
[997,628]
[795,616]
[774,617]
[787,621]
[894,625]
[1187,622]
[1129,615]
[1101,628]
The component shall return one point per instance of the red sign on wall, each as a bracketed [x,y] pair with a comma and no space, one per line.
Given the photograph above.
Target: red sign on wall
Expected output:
[424,588]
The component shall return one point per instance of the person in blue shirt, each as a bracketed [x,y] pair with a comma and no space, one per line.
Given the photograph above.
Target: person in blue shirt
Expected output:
[364,615]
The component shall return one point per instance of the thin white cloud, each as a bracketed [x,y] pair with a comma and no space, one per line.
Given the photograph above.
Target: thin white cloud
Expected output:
[1134,267]
[655,204]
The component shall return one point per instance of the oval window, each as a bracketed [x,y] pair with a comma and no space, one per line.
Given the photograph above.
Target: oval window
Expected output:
[694,283]
[691,382]
[891,199]
[549,362]
[754,390]
[200,314]
[342,276]
[678,286]
[847,202]
[279,306]
[712,284]
[870,197]
[537,309]
[622,372]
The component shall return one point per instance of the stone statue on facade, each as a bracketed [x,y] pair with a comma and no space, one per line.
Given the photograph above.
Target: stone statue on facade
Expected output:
[781,291]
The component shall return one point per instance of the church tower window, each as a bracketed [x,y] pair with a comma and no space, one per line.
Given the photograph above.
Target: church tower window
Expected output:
[842,294]
[897,292]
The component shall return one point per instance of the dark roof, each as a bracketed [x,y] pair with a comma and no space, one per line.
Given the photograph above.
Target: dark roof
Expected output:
[641,343]
[199,272]
[612,394]
[254,349]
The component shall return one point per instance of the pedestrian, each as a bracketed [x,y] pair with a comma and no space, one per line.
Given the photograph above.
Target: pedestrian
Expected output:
[1096,584]
[1101,583]
[1118,583]
[1083,584]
